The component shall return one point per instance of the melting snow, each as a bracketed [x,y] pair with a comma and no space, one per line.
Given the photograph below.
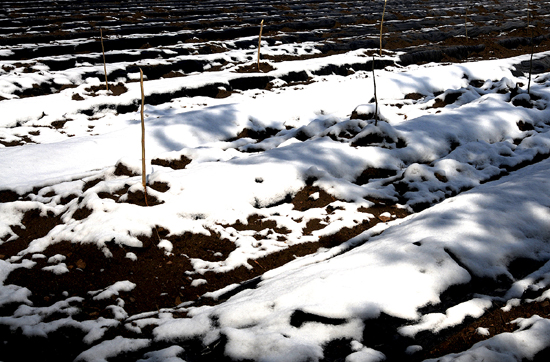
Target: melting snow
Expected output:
[394,269]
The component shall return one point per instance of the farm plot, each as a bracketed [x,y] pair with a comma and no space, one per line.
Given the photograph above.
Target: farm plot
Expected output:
[294,212]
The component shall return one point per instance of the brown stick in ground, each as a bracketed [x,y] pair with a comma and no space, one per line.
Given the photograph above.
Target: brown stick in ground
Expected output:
[143,171]
[375,96]
[260,42]
[466,24]
[382,25]
[104,64]
[532,49]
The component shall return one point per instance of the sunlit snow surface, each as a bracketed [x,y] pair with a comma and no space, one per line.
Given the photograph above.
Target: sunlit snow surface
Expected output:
[388,274]
[406,267]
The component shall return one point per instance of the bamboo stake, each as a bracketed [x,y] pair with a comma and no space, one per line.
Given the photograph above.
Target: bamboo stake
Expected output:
[382,25]
[375,96]
[532,45]
[532,50]
[530,67]
[466,24]
[260,42]
[143,171]
[528,11]
[104,64]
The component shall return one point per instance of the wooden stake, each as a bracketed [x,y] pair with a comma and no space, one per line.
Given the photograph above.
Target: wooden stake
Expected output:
[532,51]
[466,24]
[104,64]
[143,170]
[382,25]
[375,97]
[260,42]
[530,67]
[528,11]
[531,62]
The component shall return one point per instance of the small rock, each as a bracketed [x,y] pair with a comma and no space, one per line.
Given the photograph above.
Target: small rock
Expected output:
[178,300]
[81,264]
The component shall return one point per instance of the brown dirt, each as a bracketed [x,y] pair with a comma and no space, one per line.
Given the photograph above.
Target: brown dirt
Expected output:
[497,321]
[159,277]
[442,102]
[138,198]
[377,138]
[8,196]
[223,93]
[177,164]
[174,74]
[122,170]
[20,142]
[153,272]
[302,201]
[414,96]
[257,135]
[59,124]
[256,223]
[114,89]
[35,225]
[160,186]
[374,173]
[253,68]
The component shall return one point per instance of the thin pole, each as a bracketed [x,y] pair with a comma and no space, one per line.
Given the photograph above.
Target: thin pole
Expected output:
[375,96]
[260,42]
[532,50]
[382,25]
[530,67]
[143,171]
[466,24]
[104,65]
[528,11]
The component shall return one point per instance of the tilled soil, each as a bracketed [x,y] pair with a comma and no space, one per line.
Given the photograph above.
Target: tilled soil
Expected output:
[424,31]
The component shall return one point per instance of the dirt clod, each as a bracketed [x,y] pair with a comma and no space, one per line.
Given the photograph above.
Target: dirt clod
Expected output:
[176,164]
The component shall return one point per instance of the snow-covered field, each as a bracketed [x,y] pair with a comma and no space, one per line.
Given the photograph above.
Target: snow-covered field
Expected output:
[283,222]
[396,268]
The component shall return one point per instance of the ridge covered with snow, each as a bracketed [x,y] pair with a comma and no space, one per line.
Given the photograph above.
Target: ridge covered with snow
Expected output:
[443,130]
